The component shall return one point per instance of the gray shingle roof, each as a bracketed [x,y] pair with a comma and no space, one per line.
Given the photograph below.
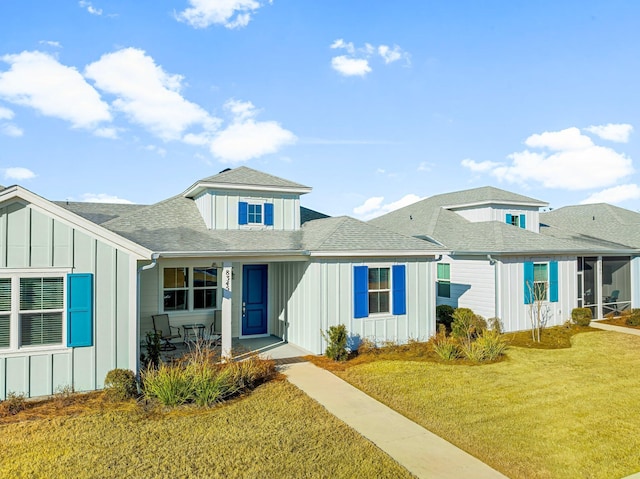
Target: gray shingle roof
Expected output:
[485,194]
[428,218]
[98,212]
[596,223]
[248,176]
[175,225]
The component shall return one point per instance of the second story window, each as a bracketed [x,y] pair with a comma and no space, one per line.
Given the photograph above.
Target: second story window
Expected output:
[254,214]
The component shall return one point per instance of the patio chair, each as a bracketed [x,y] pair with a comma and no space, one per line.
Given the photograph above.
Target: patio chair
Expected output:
[215,333]
[163,328]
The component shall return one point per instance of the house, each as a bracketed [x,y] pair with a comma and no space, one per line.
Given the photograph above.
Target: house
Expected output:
[79,283]
[502,258]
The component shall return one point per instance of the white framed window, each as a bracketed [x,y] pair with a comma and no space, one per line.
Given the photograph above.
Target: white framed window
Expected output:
[189,288]
[32,308]
[379,290]
[541,281]
[515,220]
[254,214]
[444,280]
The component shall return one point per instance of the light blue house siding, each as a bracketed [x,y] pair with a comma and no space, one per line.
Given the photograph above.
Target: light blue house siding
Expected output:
[310,297]
[35,242]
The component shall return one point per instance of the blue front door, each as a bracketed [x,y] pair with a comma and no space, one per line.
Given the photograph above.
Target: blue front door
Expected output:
[254,299]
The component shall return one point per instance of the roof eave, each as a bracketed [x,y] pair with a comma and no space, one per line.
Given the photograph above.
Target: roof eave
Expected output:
[378,253]
[535,204]
[200,186]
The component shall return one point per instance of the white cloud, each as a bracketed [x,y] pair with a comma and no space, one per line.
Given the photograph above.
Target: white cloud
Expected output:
[230,13]
[18,173]
[6,114]
[147,94]
[246,138]
[479,167]
[50,43]
[357,62]
[106,133]
[10,129]
[563,140]
[156,149]
[90,8]
[424,166]
[350,66]
[103,198]
[39,81]
[618,132]
[374,206]
[615,195]
[565,159]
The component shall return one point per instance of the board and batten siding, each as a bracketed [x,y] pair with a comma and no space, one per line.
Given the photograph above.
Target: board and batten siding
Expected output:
[514,313]
[219,209]
[472,285]
[307,298]
[33,240]
[499,212]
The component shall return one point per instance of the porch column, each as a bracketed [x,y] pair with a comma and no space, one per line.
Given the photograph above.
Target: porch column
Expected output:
[599,287]
[227,280]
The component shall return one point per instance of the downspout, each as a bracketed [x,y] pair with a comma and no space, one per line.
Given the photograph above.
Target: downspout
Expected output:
[154,261]
[496,287]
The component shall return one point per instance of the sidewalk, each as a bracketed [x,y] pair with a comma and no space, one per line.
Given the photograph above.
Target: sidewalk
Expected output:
[421,452]
[617,329]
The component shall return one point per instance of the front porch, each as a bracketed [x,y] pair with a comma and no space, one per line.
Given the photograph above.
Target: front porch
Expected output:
[268,347]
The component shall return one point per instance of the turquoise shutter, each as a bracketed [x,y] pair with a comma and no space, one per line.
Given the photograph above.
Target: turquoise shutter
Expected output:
[268,214]
[508,218]
[553,281]
[360,291]
[523,221]
[243,213]
[528,282]
[79,310]
[398,277]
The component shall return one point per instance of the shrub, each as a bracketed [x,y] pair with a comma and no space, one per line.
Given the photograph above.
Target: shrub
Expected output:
[336,337]
[444,315]
[473,352]
[63,396]
[444,346]
[581,316]
[495,324]
[120,385]
[467,325]
[367,345]
[492,344]
[634,317]
[152,347]
[171,384]
[13,404]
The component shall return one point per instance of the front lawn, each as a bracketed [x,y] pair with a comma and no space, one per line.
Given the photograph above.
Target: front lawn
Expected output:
[562,413]
[276,431]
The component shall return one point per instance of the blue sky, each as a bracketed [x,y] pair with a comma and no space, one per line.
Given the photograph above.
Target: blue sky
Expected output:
[373,104]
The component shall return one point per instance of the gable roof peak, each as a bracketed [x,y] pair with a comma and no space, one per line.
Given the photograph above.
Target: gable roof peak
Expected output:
[245,178]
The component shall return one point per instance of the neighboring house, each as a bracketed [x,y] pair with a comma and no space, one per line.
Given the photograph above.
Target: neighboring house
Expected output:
[80,282]
[500,258]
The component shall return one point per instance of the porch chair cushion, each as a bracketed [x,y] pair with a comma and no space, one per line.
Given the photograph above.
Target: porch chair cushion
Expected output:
[162,326]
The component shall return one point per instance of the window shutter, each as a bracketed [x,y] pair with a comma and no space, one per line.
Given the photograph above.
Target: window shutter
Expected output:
[523,221]
[508,218]
[243,213]
[399,279]
[80,310]
[268,214]
[360,291]
[553,281]
[528,282]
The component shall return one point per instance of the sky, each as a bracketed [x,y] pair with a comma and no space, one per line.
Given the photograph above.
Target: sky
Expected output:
[373,104]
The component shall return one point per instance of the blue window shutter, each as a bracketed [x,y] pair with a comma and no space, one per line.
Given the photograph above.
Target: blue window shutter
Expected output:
[553,281]
[243,213]
[528,282]
[80,310]
[508,218]
[523,221]
[268,214]
[399,279]
[360,291]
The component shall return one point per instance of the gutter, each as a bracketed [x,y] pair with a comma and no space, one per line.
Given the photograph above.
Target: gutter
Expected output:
[154,262]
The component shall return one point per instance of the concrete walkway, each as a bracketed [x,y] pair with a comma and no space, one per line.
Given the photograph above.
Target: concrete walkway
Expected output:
[617,329]
[418,450]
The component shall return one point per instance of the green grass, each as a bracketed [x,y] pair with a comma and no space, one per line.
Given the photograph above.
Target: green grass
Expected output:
[562,413]
[276,431]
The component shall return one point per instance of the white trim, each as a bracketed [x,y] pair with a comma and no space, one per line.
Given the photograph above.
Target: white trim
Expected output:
[535,204]
[134,318]
[74,220]
[377,254]
[200,186]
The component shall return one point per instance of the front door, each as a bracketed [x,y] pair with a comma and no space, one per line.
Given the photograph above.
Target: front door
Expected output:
[254,299]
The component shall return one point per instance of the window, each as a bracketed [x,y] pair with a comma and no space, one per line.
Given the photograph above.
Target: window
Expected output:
[255,213]
[379,290]
[176,288]
[444,280]
[540,281]
[188,289]
[5,312]
[205,282]
[41,308]
[516,220]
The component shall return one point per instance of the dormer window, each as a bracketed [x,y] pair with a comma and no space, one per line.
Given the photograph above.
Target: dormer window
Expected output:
[516,220]
[255,213]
